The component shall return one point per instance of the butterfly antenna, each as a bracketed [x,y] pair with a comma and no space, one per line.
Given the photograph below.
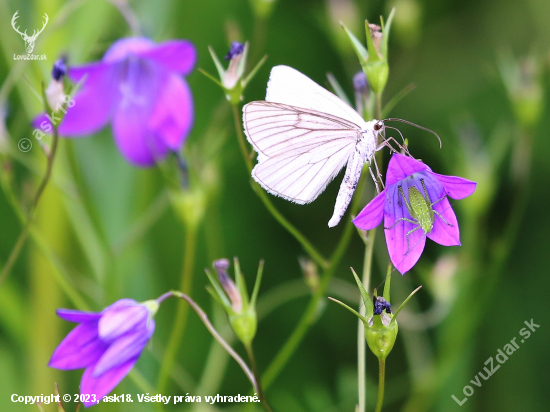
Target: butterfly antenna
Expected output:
[394,119]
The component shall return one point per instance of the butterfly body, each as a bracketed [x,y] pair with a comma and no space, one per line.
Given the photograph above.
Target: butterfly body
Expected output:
[363,153]
[304,135]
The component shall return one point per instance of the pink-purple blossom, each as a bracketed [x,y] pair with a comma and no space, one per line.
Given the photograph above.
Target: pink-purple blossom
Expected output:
[405,237]
[106,344]
[138,88]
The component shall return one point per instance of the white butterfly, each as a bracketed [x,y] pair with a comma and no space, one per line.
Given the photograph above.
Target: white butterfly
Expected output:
[304,135]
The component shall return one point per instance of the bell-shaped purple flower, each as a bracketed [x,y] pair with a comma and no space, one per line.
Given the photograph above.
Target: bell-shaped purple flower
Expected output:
[105,344]
[138,88]
[411,186]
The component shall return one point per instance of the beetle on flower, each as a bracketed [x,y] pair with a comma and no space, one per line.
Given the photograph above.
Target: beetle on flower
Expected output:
[414,206]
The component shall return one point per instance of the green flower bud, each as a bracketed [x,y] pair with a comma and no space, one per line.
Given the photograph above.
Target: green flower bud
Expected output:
[233,297]
[523,82]
[380,323]
[374,58]
[381,333]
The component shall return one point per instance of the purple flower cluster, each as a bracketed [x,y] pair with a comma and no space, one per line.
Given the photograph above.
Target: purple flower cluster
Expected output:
[106,344]
[406,180]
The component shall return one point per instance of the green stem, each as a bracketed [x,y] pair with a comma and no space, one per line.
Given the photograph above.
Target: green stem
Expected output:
[181,315]
[310,314]
[361,342]
[252,359]
[381,378]
[24,233]
[204,319]
[306,244]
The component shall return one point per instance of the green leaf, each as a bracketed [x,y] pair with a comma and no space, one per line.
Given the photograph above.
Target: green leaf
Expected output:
[350,309]
[222,297]
[404,303]
[364,293]
[211,77]
[396,99]
[254,71]
[257,284]
[372,53]
[362,53]
[219,66]
[337,88]
[388,282]
[241,283]
[386,33]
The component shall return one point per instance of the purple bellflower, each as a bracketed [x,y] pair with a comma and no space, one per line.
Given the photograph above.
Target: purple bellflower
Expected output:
[105,344]
[138,88]
[414,206]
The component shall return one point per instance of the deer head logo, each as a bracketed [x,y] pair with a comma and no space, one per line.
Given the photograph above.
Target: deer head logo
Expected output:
[29,40]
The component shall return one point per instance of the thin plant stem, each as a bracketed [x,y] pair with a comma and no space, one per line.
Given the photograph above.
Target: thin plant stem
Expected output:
[181,315]
[310,314]
[361,342]
[381,379]
[306,244]
[14,254]
[204,318]
[367,273]
[252,359]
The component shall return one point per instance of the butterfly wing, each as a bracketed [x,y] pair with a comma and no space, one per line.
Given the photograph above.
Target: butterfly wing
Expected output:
[299,150]
[288,86]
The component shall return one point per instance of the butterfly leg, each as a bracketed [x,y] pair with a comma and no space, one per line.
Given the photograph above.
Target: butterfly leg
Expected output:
[375,180]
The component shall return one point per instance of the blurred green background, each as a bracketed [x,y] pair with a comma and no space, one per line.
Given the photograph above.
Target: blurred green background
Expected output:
[110,227]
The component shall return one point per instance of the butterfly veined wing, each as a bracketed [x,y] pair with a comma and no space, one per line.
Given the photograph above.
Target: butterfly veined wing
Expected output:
[299,150]
[288,86]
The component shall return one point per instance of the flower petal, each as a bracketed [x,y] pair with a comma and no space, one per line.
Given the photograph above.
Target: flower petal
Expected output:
[372,214]
[401,166]
[102,385]
[172,116]
[123,349]
[175,55]
[80,348]
[129,46]
[120,320]
[445,232]
[77,316]
[93,102]
[456,187]
[404,239]
[140,89]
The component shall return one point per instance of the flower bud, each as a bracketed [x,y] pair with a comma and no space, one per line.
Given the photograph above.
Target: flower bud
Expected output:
[374,59]
[55,92]
[380,328]
[523,82]
[228,285]
[311,274]
[381,336]
[232,80]
[233,297]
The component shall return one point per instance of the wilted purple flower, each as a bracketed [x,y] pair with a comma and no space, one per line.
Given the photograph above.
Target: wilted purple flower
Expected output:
[412,186]
[106,344]
[59,69]
[381,304]
[236,49]
[137,87]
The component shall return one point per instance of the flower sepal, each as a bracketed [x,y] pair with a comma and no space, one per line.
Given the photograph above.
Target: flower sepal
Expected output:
[380,323]
[233,297]
[233,81]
